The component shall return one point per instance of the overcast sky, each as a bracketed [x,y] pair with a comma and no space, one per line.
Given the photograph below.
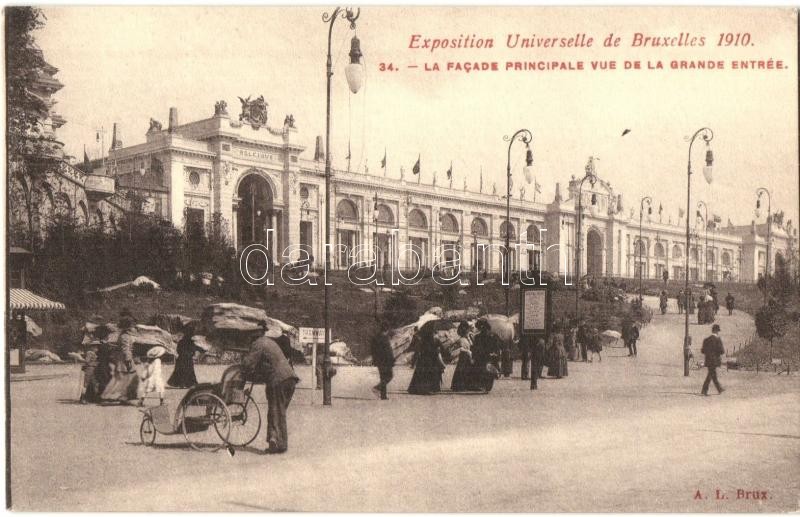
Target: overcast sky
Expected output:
[127,64]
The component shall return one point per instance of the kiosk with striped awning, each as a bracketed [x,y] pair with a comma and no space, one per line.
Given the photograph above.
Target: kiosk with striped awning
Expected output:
[20,301]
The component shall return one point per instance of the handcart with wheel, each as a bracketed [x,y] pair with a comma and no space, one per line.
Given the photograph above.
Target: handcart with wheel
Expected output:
[202,417]
[210,416]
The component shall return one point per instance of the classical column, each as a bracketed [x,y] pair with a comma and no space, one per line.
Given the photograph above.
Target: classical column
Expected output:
[235,227]
[273,240]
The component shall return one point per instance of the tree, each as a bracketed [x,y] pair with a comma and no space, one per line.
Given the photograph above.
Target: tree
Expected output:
[771,322]
[27,142]
[25,65]
[781,283]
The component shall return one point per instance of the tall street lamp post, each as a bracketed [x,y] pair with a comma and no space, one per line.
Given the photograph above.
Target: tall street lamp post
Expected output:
[649,201]
[759,192]
[707,135]
[525,137]
[354,73]
[376,250]
[592,177]
[704,217]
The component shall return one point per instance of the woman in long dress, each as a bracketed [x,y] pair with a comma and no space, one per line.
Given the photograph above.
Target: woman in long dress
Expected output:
[485,350]
[464,353]
[183,375]
[427,361]
[557,357]
[124,381]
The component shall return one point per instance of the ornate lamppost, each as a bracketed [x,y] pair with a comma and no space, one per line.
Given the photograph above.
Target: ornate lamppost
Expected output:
[524,136]
[649,201]
[704,217]
[376,250]
[592,177]
[707,135]
[354,73]
[759,192]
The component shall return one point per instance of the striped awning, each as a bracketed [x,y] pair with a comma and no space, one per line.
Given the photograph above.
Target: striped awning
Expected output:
[26,300]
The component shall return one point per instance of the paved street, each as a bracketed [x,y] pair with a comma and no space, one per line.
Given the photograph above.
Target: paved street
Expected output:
[620,435]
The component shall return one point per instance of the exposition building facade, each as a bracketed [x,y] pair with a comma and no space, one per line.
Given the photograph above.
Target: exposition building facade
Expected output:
[257,178]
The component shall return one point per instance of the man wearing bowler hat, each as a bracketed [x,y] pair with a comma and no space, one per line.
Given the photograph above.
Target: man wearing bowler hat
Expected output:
[713,350]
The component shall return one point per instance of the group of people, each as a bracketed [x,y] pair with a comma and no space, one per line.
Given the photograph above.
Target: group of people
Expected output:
[483,357]
[112,372]
[478,358]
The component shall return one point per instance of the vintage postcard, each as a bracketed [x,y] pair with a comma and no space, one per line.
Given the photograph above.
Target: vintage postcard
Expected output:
[402,259]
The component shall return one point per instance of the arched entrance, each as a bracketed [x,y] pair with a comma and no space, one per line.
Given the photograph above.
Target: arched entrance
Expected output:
[594,253]
[255,212]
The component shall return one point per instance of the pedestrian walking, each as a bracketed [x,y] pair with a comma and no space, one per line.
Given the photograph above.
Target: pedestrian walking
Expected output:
[680,301]
[383,360]
[461,375]
[90,389]
[525,350]
[594,346]
[537,362]
[663,302]
[183,376]
[634,337]
[713,350]
[506,361]
[729,303]
[427,360]
[265,363]
[571,343]
[485,352]
[557,357]
[583,340]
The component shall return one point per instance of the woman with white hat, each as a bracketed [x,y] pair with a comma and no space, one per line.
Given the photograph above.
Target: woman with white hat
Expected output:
[152,379]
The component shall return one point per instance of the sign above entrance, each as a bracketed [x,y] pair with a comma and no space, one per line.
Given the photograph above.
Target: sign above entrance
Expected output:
[249,153]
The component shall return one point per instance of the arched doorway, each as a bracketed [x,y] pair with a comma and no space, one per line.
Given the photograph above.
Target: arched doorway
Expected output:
[594,253]
[254,216]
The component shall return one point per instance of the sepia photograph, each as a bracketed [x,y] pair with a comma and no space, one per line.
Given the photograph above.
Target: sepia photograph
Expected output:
[428,259]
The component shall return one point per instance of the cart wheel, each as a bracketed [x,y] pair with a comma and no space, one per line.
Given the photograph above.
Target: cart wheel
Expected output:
[147,431]
[245,422]
[205,421]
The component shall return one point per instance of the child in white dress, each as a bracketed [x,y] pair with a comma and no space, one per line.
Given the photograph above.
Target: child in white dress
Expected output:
[151,378]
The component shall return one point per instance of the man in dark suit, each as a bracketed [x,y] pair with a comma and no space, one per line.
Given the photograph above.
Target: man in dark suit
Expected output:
[266,363]
[525,346]
[713,350]
[383,359]
[537,362]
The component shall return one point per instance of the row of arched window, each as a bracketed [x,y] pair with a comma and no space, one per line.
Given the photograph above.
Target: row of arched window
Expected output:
[640,249]
[346,210]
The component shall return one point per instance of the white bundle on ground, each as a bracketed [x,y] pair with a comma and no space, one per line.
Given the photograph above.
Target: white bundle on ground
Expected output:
[38,355]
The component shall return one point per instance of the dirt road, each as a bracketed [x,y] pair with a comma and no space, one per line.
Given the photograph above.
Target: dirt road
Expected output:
[623,434]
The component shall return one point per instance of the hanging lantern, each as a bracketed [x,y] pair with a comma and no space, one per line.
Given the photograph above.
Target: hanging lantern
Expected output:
[708,169]
[354,71]
[528,169]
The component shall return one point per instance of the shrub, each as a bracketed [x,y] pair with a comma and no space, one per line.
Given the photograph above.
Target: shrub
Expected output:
[399,310]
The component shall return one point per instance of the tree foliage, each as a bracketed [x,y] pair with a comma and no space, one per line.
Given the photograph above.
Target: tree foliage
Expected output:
[399,310]
[25,64]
